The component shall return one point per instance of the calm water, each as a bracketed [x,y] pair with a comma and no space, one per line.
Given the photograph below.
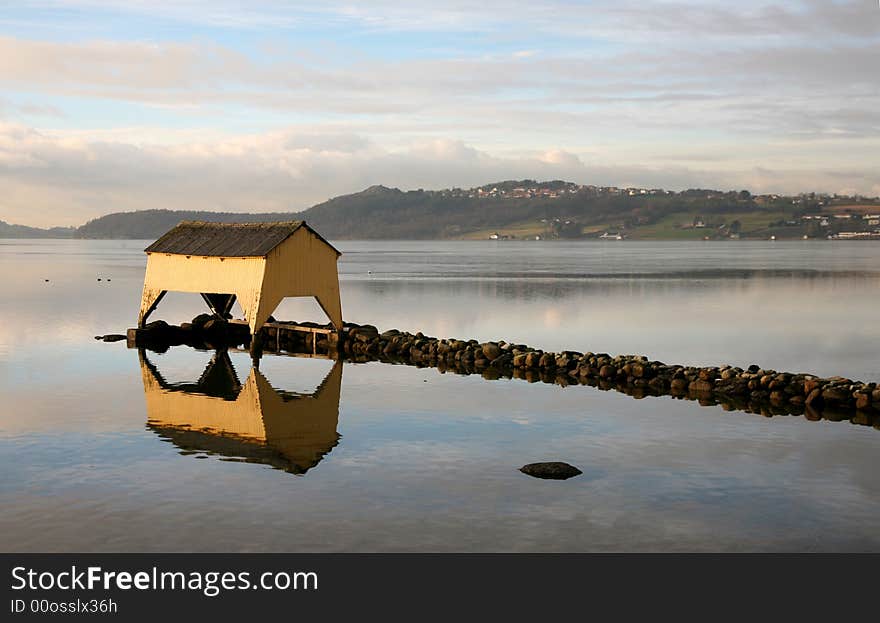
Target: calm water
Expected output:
[105,450]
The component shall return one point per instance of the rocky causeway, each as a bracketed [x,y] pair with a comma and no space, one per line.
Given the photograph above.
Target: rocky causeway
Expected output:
[753,389]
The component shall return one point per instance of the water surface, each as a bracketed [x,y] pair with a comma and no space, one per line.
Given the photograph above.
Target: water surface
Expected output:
[98,455]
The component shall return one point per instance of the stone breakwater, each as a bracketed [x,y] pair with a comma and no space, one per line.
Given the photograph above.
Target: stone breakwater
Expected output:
[753,389]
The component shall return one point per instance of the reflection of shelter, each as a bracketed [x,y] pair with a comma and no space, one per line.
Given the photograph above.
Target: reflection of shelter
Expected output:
[251,422]
[259,264]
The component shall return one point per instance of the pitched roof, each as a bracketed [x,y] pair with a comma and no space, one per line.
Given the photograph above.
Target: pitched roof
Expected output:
[227,239]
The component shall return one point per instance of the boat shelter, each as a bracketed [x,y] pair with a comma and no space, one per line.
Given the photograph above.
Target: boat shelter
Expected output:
[257,264]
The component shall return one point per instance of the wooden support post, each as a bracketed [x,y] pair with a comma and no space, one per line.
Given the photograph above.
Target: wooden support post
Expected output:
[256,348]
[149,301]
[219,304]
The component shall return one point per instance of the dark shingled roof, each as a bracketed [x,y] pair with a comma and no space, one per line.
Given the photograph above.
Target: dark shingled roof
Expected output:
[227,239]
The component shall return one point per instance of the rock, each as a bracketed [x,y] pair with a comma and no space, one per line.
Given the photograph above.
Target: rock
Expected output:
[548,360]
[201,320]
[533,359]
[836,395]
[113,337]
[502,360]
[863,401]
[365,333]
[553,470]
[607,372]
[810,384]
[641,370]
[491,350]
[708,374]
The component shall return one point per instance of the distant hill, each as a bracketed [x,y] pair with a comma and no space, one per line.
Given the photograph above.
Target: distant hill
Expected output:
[517,209]
[150,224]
[375,213]
[22,231]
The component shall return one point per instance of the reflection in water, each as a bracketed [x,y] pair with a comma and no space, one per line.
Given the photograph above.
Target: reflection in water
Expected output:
[250,422]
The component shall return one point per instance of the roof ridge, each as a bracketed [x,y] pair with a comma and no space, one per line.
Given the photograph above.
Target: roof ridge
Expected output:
[219,239]
[240,223]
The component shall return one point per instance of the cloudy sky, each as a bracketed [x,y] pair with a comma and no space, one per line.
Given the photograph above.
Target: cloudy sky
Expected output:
[121,105]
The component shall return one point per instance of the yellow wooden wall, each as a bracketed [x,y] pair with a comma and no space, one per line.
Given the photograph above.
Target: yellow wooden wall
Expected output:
[302,265]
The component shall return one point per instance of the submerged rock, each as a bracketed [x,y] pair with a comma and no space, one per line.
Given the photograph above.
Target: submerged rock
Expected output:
[554,470]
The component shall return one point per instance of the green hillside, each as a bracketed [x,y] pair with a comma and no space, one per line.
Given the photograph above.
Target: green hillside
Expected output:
[150,224]
[523,209]
[22,231]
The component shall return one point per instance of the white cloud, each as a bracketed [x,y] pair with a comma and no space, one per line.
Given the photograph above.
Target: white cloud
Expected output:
[561,157]
[672,94]
[52,179]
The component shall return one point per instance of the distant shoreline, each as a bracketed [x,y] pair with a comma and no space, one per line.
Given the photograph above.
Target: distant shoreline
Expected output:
[591,240]
[525,210]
